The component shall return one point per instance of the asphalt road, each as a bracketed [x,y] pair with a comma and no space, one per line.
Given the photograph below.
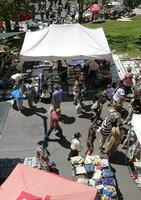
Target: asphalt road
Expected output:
[22,131]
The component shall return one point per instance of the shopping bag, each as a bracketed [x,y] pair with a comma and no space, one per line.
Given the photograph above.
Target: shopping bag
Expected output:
[16,94]
[50,109]
[79,109]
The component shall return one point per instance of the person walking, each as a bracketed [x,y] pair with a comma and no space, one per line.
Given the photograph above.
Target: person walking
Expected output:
[54,124]
[30,93]
[56,97]
[128,81]
[106,128]
[118,97]
[90,139]
[76,92]
[75,145]
[17,95]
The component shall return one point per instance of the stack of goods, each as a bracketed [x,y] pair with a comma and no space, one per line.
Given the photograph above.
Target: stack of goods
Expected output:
[96,172]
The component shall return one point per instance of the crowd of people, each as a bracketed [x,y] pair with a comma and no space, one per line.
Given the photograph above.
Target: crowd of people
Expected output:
[60,11]
[57,10]
[111,129]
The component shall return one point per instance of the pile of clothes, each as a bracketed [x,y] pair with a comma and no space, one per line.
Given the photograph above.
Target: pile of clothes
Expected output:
[96,172]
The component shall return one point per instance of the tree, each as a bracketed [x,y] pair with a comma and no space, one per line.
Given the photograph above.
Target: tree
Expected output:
[11,10]
[81,7]
[131,3]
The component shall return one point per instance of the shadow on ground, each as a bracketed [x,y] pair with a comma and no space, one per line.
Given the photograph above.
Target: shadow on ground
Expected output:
[119,194]
[6,167]
[85,115]
[118,158]
[62,141]
[66,119]
[28,111]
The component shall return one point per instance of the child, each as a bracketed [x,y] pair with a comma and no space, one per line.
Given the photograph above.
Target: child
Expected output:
[75,145]
[90,140]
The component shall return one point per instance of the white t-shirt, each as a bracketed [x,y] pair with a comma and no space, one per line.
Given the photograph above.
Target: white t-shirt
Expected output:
[93,66]
[118,94]
[75,144]
[17,77]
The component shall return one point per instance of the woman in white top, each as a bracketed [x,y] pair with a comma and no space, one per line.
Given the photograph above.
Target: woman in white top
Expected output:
[118,96]
[75,145]
[76,92]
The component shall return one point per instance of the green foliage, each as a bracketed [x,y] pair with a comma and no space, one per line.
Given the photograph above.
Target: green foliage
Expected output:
[13,8]
[124,37]
[131,3]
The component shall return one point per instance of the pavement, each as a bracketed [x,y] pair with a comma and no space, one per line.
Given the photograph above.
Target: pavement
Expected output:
[22,131]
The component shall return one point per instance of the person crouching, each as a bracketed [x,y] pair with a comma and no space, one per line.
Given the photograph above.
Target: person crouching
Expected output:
[75,145]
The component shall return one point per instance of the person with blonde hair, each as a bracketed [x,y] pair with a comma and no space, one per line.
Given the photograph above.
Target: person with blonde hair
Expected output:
[114,140]
[76,92]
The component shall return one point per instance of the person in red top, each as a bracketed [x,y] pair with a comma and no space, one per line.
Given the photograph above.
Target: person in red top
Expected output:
[128,81]
[54,124]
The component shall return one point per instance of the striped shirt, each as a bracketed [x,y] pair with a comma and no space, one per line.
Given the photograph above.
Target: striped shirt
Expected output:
[106,126]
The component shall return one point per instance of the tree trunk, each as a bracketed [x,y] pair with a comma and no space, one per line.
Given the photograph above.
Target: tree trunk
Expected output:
[80,11]
[7,24]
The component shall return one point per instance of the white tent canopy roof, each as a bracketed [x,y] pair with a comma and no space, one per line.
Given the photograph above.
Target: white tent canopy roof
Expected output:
[65,41]
[136,121]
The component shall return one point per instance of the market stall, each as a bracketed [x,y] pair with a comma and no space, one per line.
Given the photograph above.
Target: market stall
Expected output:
[95,171]
[56,43]
[119,67]
[133,151]
[65,41]
[23,183]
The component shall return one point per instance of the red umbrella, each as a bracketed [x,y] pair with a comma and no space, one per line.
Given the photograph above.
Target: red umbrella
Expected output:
[95,8]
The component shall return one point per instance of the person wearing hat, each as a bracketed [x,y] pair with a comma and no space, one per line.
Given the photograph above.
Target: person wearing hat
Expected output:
[128,81]
[56,97]
[75,145]
[54,124]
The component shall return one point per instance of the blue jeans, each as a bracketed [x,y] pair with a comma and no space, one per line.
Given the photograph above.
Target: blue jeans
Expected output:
[58,128]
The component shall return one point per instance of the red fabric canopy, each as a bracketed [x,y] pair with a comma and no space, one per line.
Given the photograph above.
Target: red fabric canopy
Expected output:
[25,16]
[95,8]
[27,196]
[41,183]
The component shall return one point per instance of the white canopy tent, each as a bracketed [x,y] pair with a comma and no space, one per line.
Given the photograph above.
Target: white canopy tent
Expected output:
[64,42]
[136,120]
